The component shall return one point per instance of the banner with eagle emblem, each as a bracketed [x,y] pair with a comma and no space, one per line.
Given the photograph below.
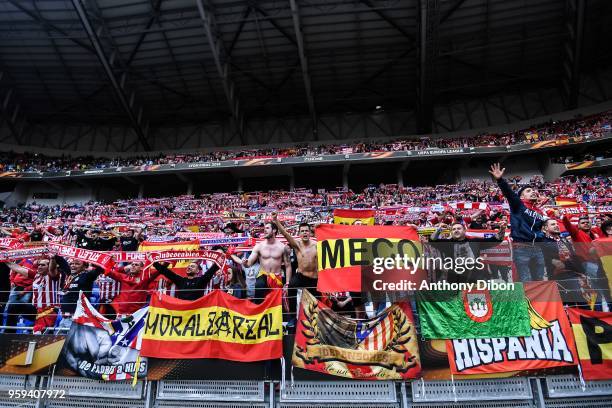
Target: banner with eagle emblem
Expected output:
[381,348]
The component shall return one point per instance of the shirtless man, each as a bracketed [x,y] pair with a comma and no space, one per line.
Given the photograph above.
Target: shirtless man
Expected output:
[306,253]
[271,254]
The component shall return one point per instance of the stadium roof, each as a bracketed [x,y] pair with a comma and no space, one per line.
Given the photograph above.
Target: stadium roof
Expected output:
[152,63]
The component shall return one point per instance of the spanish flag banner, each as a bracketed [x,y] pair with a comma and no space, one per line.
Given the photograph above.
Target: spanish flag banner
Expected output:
[347,253]
[217,325]
[603,246]
[354,217]
[593,334]
[565,201]
[180,266]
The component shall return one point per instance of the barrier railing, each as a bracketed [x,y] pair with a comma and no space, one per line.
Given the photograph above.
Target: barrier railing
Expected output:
[552,391]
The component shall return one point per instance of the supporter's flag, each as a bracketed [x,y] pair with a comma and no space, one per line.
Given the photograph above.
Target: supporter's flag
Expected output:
[354,217]
[565,201]
[603,246]
[593,334]
[180,267]
[381,348]
[104,349]
[344,251]
[217,325]
[473,314]
[551,343]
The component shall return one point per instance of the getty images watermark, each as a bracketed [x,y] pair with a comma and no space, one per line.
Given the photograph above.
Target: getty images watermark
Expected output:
[407,273]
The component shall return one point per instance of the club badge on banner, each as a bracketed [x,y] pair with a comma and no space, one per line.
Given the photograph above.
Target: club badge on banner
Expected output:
[104,349]
[550,344]
[217,325]
[593,334]
[473,314]
[381,348]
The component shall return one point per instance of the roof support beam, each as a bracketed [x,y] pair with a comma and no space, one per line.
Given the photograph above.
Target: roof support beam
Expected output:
[451,10]
[427,26]
[10,109]
[388,19]
[52,27]
[136,118]
[304,64]
[575,12]
[223,68]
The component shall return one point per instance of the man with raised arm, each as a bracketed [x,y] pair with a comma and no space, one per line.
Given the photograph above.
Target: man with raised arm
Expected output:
[306,253]
[271,254]
[526,219]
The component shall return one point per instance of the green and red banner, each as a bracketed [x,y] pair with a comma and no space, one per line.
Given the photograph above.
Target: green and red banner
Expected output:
[551,343]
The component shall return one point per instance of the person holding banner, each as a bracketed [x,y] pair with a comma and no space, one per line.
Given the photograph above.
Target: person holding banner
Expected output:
[271,255]
[306,253]
[45,293]
[129,241]
[193,286]
[77,277]
[135,283]
[20,297]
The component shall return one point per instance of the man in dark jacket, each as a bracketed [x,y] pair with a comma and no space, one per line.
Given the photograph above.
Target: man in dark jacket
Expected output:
[459,246]
[526,220]
[76,277]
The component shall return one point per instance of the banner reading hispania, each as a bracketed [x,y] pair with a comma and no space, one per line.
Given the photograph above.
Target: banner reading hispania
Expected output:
[104,349]
[354,217]
[217,325]
[347,253]
[551,343]
[593,334]
[381,348]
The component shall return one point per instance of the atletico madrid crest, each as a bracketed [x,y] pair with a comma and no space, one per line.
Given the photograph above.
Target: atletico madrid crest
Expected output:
[477,305]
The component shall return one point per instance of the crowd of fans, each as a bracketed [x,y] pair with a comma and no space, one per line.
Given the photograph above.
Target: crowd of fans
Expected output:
[534,209]
[592,126]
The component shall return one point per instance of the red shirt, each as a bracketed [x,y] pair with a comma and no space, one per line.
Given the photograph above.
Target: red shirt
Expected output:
[134,291]
[22,236]
[25,282]
[582,240]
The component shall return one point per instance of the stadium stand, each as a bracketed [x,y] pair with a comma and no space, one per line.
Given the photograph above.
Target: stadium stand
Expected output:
[305,203]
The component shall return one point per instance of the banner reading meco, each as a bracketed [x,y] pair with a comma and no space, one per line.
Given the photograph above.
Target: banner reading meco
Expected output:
[551,343]
[354,217]
[345,251]
[217,325]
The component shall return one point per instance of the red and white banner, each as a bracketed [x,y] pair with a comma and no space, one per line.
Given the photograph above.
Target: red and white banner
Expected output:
[103,260]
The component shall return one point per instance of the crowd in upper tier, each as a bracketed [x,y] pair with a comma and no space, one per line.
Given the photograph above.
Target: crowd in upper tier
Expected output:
[593,126]
[563,217]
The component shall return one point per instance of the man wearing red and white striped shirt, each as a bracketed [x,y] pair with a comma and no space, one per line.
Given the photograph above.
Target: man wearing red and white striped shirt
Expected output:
[45,293]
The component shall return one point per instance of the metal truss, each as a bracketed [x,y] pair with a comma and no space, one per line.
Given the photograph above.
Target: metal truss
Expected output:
[575,12]
[135,116]
[11,113]
[223,66]
[304,64]
[427,24]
